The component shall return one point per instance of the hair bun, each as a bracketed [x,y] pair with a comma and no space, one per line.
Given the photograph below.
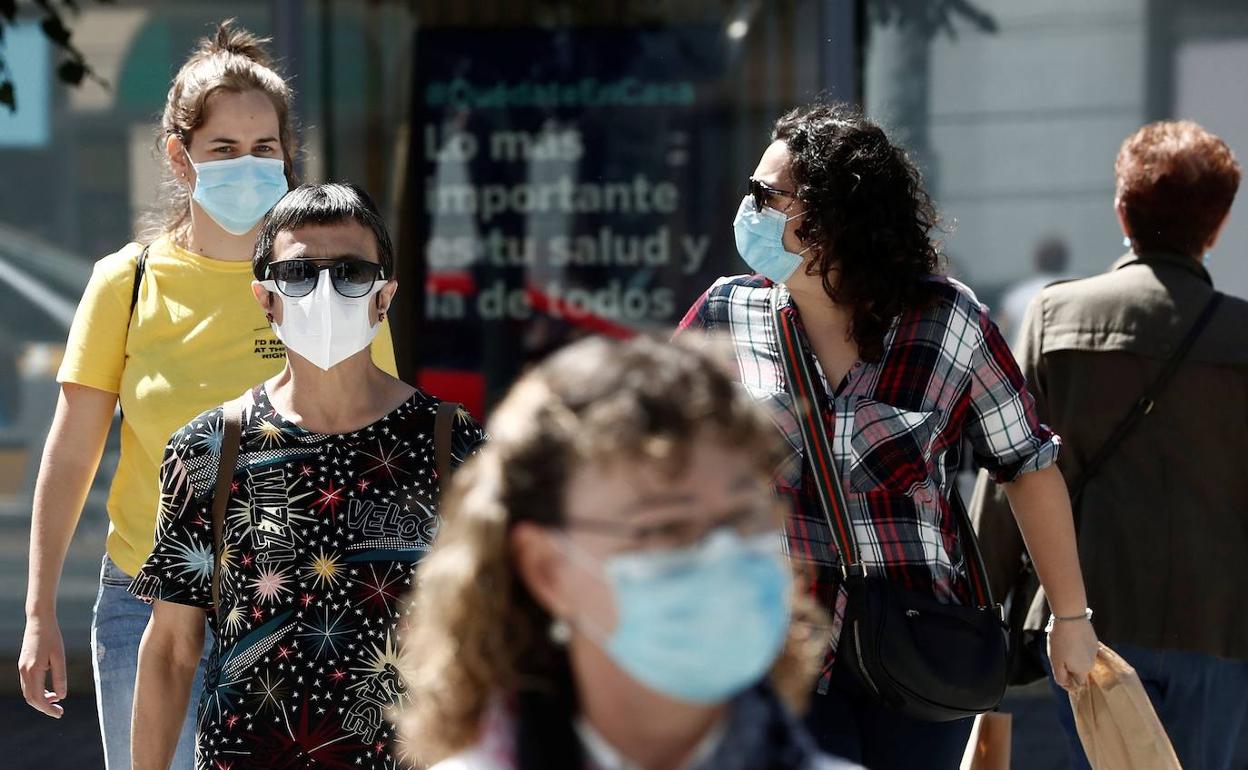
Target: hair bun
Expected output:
[231,38]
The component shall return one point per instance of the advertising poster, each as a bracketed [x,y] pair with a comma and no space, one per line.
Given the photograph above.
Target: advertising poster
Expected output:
[563,183]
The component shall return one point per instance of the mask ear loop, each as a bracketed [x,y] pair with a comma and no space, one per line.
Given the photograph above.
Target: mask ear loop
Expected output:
[187,152]
[577,555]
[795,216]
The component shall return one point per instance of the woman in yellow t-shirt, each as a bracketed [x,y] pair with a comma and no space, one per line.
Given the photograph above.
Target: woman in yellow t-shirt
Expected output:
[167,330]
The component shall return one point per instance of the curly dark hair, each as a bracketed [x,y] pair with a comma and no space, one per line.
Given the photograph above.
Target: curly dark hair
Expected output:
[868,216]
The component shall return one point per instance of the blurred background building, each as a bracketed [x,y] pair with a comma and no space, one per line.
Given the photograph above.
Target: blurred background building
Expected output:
[555,168]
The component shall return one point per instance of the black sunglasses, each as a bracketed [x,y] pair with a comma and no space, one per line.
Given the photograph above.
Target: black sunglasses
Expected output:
[351,277]
[762,193]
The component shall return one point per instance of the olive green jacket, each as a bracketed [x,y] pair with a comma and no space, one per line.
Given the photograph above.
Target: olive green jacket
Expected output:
[1163,527]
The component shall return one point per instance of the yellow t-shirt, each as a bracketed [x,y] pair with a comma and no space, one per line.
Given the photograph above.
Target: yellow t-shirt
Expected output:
[197,339]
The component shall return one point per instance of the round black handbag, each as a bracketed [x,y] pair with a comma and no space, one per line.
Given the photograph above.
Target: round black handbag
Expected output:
[931,661]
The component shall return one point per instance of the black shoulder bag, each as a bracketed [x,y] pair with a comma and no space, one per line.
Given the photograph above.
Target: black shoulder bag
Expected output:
[930,661]
[1026,664]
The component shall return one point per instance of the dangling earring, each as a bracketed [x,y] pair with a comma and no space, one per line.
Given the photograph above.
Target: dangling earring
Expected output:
[560,632]
[269,316]
[381,318]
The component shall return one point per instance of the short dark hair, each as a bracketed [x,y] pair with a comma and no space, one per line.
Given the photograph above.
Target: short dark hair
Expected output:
[322,204]
[1176,183]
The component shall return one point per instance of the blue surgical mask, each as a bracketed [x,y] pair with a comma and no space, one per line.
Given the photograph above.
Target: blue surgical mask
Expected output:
[238,192]
[703,623]
[760,241]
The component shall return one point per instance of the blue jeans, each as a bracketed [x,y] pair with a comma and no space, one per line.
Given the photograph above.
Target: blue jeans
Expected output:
[118,624]
[848,723]
[1202,702]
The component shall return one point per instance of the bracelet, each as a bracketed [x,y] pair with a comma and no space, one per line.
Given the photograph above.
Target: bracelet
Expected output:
[1053,619]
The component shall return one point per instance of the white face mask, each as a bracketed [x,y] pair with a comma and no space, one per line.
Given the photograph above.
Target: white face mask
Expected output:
[325,327]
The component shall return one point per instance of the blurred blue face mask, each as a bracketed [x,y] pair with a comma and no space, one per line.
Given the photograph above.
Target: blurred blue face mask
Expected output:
[698,624]
[760,241]
[238,192]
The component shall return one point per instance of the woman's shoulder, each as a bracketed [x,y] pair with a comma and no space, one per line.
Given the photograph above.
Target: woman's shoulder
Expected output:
[741,285]
[716,304]
[949,291]
[122,262]
[202,435]
[116,270]
[205,432]
[421,407]
[466,431]
[953,302]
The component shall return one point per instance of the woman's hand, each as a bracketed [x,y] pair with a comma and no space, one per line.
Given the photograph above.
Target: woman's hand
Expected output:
[43,651]
[70,459]
[1072,651]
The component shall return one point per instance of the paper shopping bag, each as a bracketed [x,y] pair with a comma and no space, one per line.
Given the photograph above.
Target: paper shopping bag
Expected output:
[1116,722]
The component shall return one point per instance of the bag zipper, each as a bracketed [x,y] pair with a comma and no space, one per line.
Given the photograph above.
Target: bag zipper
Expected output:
[862,666]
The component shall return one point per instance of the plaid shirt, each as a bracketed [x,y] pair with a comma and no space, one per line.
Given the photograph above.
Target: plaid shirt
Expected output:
[897,428]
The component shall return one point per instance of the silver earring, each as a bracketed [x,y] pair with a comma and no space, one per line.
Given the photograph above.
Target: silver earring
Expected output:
[1126,241]
[560,632]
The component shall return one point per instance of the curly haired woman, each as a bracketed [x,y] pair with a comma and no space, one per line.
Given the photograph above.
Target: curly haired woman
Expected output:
[837,228]
[608,589]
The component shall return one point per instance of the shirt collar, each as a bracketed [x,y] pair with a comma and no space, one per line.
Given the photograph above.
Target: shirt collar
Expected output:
[605,756]
[1181,261]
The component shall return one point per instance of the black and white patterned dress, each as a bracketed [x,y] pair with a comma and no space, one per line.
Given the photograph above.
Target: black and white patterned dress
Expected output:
[322,533]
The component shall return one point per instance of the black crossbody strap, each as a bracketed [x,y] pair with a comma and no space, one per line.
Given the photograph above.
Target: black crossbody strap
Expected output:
[1147,401]
[823,462]
[140,267]
[444,424]
[815,436]
[231,443]
[977,569]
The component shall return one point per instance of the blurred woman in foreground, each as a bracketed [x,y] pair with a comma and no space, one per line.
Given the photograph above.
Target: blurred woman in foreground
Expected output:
[609,588]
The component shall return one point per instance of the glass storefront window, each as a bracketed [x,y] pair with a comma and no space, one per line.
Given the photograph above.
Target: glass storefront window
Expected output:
[549,170]
[579,174]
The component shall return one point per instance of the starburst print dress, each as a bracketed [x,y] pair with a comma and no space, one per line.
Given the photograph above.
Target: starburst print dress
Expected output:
[321,537]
